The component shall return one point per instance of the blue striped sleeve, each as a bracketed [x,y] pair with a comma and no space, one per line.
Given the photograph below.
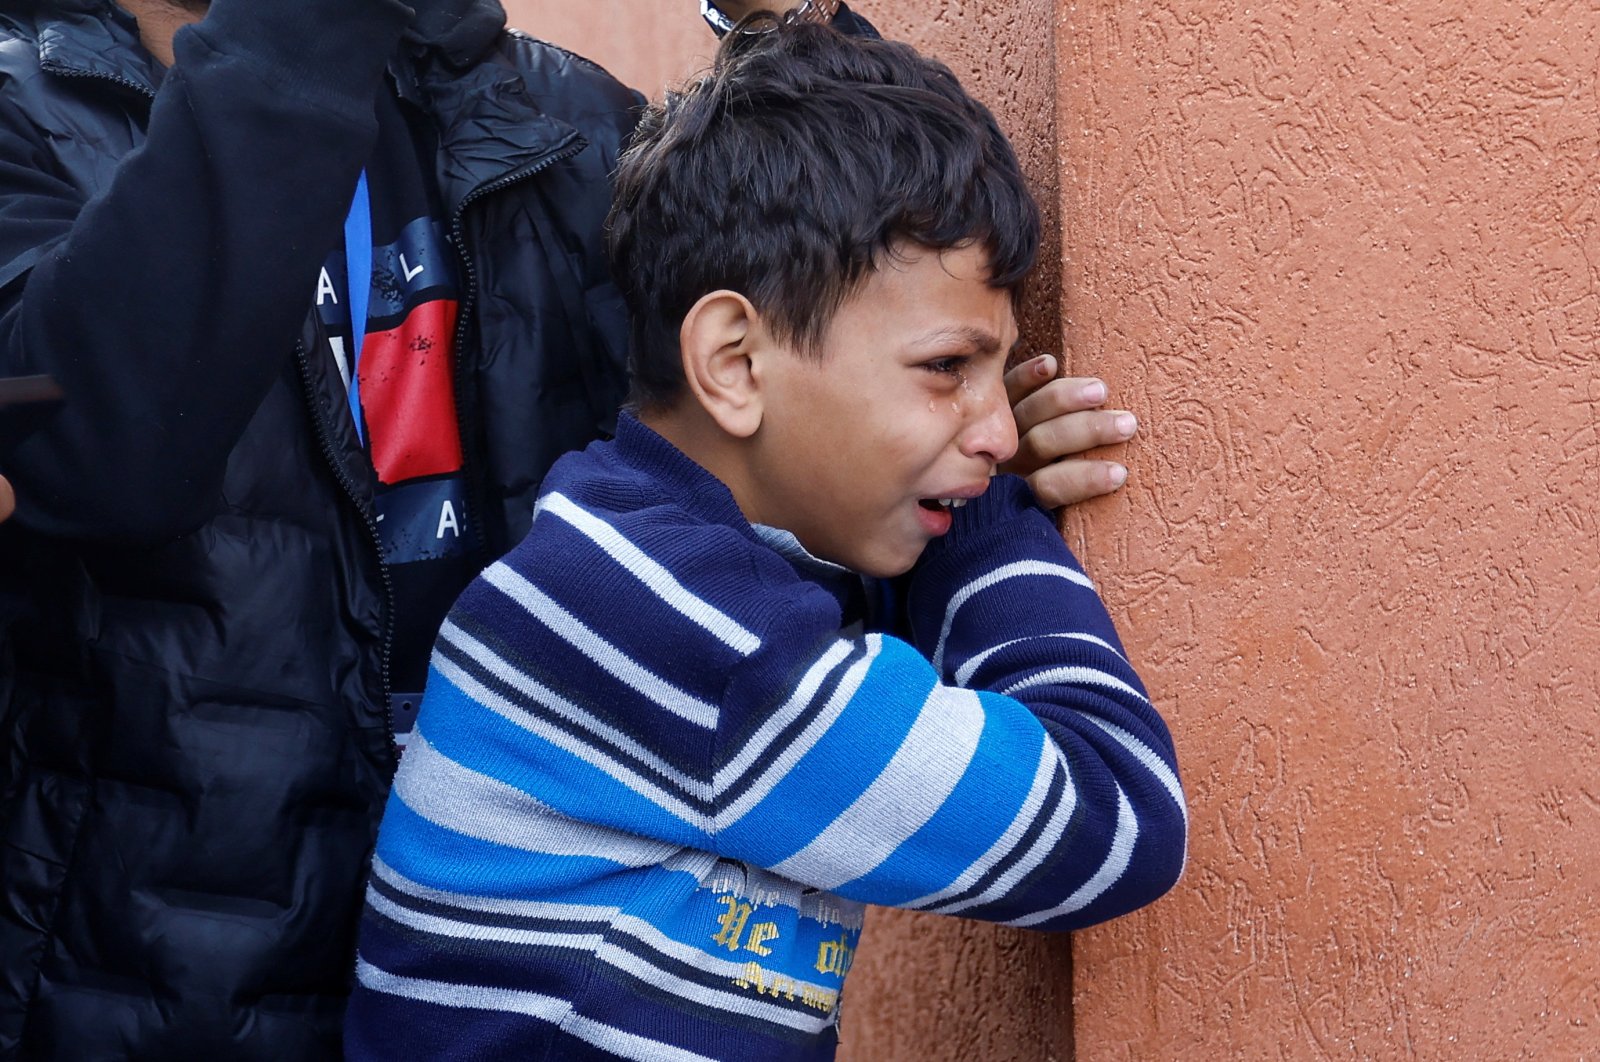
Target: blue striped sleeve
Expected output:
[1004,764]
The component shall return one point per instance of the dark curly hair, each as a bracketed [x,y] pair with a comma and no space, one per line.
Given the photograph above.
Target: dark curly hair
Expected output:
[788,171]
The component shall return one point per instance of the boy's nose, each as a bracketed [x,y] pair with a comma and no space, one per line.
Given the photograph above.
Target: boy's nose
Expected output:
[991,432]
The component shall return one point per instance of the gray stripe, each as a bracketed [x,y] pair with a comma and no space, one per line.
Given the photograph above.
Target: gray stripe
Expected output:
[999,575]
[1111,869]
[539,694]
[909,791]
[621,958]
[776,722]
[593,756]
[968,669]
[808,738]
[1156,766]
[546,1008]
[1073,676]
[1032,806]
[464,801]
[1043,846]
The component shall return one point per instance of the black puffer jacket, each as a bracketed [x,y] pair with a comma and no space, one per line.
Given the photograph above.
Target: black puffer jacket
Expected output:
[194,747]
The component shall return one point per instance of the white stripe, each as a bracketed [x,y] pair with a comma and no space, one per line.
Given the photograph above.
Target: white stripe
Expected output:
[595,944]
[808,738]
[594,757]
[545,1008]
[1148,758]
[779,720]
[1079,676]
[1156,766]
[466,802]
[720,999]
[626,1044]
[649,572]
[536,692]
[573,912]
[1116,861]
[1032,804]
[999,575]
[1043,846]
[911,788]
[967,670]
[440,926]
[581,637]
[339,359]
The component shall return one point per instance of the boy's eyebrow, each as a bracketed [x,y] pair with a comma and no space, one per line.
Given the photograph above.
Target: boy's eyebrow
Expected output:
[978,339]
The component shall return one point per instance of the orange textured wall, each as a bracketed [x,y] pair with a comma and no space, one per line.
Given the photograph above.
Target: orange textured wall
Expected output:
[1342,261]
[1344,258]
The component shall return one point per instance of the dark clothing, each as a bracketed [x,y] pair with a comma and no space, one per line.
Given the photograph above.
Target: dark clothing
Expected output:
[405,374]
[194,748]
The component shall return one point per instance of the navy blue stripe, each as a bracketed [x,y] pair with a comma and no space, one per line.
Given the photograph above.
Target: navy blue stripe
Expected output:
[785,738]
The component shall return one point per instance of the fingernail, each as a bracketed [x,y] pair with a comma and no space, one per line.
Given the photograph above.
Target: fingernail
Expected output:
[1094,392]
[1041,367]
[1126,425]
[1119,476]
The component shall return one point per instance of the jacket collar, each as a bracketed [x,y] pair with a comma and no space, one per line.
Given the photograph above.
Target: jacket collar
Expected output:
[490,127]
[95,38]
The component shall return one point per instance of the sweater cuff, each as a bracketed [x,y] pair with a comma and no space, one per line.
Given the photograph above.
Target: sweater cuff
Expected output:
[986,527]
[314,48]
[1003,527]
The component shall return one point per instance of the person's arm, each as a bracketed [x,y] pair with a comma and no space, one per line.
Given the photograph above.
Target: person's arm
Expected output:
[167,301]
[1006,765]
[672,684]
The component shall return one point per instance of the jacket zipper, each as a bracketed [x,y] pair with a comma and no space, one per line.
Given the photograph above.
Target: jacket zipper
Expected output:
[325,444]
[57,70]
[473,502]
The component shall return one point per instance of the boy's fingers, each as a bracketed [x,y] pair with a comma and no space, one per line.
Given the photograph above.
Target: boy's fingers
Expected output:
[1069,435]
[8,500]
[1070,482]
[1023,380]
[1055,398]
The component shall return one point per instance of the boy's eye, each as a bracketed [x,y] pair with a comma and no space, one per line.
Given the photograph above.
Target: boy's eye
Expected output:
[952,366]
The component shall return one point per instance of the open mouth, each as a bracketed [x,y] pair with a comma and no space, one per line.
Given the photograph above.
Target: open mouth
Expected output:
[939,505]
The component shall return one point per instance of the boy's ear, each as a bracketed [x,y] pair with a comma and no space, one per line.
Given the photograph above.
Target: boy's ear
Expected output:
[718,339]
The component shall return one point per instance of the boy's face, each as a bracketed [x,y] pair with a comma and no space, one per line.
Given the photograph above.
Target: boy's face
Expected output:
[906,406]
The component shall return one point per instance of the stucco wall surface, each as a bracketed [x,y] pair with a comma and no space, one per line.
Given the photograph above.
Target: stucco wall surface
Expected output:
[1343,257]
[1341,260]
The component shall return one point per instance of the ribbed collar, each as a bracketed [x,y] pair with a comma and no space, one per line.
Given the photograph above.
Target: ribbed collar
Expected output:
[704,495]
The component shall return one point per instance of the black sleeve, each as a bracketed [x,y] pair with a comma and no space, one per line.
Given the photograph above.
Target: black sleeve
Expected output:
[166,303]
[847,21]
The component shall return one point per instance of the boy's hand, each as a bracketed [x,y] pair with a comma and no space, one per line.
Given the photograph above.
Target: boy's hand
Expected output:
[8,501]
[1057,421]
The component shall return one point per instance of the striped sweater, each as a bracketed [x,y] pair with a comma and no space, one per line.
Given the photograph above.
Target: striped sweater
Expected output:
[656,776]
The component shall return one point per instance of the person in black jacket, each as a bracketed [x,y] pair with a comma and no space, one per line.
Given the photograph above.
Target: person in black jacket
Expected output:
[325,288]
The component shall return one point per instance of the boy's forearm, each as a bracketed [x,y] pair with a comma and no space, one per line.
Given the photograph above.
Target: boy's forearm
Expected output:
[1001,604]
[1026,780]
